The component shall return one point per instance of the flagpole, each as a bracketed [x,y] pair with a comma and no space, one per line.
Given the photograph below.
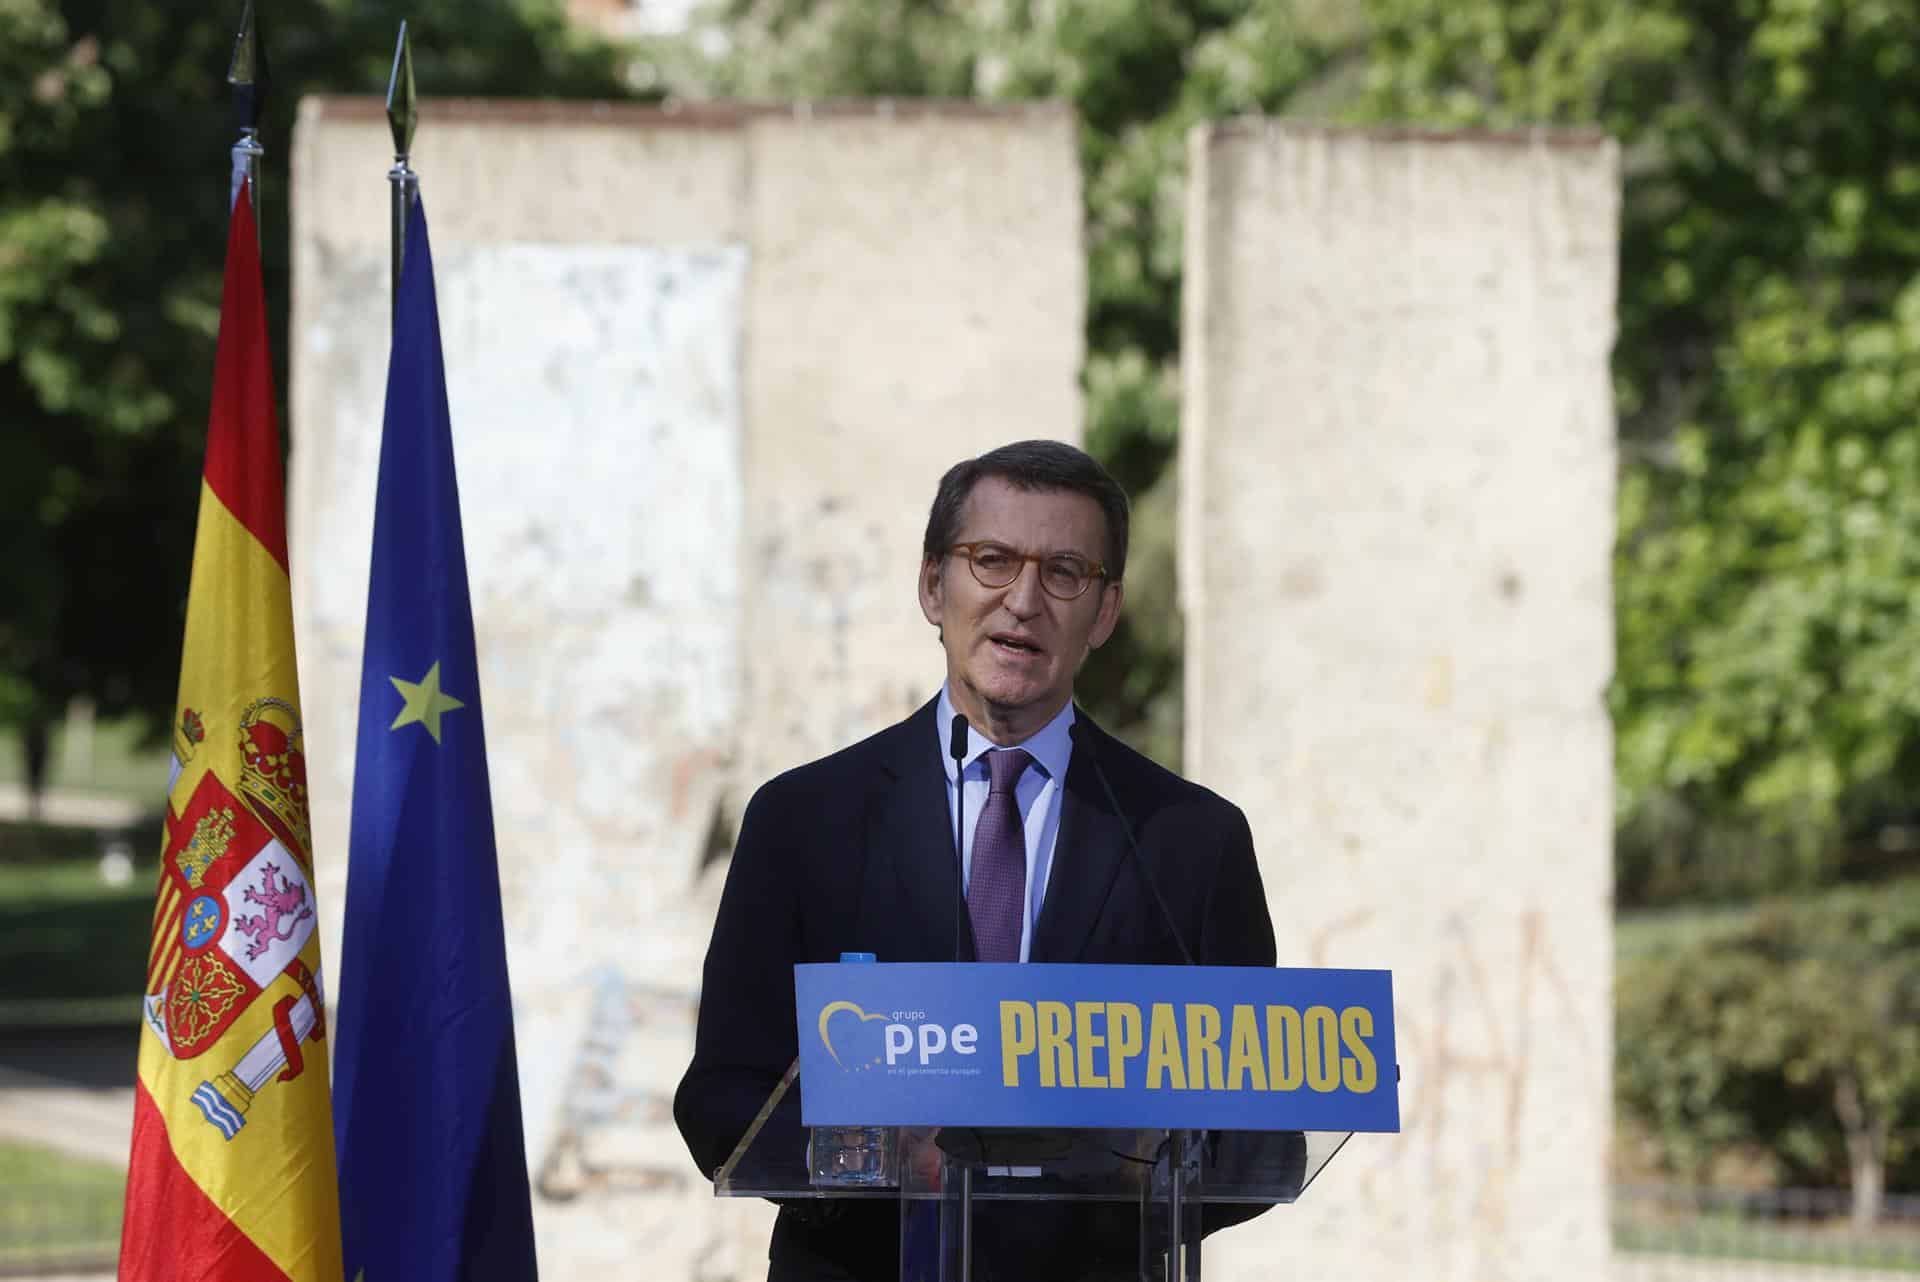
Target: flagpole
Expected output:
[403,182]
[248,76]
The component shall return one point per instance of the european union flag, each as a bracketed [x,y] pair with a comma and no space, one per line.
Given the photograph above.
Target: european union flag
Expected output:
[433,1168]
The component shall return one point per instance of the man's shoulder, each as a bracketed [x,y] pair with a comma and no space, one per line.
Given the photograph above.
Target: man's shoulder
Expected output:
[880,755]
[1139,779]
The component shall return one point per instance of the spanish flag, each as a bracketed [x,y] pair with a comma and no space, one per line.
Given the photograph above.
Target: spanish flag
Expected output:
[232,1170]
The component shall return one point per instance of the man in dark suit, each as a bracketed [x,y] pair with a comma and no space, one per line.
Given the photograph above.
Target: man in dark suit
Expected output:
[1021,573]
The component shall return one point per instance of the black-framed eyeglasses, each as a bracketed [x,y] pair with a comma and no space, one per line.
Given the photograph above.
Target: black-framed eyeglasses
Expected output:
[1063,575]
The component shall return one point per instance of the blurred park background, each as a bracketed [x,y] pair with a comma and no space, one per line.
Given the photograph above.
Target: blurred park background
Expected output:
[1766,703]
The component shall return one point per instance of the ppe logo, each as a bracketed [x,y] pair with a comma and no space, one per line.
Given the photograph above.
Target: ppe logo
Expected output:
[859,1041]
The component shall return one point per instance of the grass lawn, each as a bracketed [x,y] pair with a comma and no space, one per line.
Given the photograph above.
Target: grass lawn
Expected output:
[57,1211]
[1729,1238]
[66,882]
[1658,931]
[72,947]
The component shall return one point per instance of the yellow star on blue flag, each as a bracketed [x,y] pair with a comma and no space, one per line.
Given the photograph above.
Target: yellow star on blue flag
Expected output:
[425,702]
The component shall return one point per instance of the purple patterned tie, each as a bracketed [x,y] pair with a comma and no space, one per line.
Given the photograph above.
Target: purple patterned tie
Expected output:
[997,883]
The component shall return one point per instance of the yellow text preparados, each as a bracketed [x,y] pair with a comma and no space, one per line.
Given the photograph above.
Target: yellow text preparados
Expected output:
[1192,1046]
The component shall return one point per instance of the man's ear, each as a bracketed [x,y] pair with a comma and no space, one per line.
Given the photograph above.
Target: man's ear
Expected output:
[932,596]
[1108,619]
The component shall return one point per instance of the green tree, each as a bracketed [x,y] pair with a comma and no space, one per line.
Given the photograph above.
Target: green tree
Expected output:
[114,125]
[1794,1025]
[50,237]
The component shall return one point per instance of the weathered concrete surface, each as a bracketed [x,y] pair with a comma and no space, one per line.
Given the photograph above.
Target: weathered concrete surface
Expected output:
[907,312]
[704,370]
[1397,469]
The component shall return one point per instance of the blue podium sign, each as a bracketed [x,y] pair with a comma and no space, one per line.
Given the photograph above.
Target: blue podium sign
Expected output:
[1111,1047]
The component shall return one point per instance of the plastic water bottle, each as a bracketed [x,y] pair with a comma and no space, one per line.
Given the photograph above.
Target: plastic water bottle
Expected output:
[851,1156]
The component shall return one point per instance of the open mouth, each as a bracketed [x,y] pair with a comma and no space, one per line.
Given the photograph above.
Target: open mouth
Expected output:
[1012,645]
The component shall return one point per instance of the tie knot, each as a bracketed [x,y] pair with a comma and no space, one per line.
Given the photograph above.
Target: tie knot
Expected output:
[1004,767]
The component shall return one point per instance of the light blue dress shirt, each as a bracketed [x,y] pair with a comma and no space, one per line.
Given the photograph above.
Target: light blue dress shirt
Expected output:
[1037,794]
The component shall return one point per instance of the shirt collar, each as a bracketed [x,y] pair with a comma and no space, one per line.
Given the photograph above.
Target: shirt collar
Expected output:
[1051,745]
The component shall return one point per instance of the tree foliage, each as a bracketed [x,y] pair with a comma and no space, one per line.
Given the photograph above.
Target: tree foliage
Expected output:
[54,328]
[114,128]
[1794,1026]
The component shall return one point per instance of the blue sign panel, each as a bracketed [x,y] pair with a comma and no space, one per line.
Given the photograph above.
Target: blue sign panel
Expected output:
[1202,1047]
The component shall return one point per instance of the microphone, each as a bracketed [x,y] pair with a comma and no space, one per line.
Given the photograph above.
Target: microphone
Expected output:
[957,749]
[1082,740]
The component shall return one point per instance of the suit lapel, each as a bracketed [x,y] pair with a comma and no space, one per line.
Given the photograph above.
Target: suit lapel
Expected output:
[911,839]
[1087,854]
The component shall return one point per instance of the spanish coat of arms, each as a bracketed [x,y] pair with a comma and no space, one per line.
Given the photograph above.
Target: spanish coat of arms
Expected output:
[235,908]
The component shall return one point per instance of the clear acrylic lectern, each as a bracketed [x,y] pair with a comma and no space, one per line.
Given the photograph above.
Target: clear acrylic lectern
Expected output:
[939,1175]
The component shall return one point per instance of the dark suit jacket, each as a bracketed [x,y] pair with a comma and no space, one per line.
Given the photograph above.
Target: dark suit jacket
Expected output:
[855,852]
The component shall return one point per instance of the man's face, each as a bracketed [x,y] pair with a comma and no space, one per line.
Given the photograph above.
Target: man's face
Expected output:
[1012,652]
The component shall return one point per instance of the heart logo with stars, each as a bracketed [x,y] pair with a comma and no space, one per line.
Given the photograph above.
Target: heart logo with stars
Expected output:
[854,1039]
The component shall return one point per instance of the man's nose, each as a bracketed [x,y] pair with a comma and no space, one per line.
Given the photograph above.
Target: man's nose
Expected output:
[1023,594]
